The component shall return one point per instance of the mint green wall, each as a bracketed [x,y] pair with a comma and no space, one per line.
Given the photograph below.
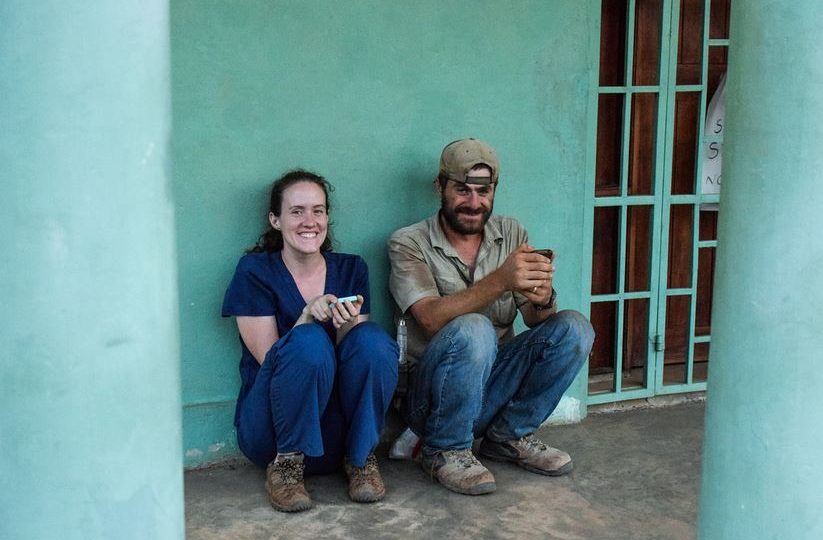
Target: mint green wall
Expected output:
[90,423]
[762,473]
[366,93]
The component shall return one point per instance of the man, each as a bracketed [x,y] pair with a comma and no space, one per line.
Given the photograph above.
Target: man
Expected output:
[459,278]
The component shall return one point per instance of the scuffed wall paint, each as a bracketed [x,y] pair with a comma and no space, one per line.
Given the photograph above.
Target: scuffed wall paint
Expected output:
[209,435]
[570,410]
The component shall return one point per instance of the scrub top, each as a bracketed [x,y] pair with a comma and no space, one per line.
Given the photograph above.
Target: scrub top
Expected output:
[262,286]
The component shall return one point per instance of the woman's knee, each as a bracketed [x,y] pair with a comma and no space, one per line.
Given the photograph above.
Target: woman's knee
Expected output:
[307,347]
[368,345]
[370,336]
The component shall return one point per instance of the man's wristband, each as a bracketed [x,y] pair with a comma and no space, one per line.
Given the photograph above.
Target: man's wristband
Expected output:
[547,305]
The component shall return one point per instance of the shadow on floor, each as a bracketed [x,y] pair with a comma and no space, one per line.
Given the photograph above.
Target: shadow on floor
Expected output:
[636,477]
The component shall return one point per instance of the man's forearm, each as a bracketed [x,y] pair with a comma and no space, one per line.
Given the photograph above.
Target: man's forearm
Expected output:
[434,313]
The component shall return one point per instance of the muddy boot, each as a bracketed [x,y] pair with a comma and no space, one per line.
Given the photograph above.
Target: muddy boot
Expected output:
[458,470]
[365,483]
[530,453]
[284,483]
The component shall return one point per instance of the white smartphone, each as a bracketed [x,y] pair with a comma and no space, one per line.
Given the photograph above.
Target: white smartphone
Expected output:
[345,299]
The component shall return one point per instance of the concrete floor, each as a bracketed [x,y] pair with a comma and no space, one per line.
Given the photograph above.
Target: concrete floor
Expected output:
[636,477]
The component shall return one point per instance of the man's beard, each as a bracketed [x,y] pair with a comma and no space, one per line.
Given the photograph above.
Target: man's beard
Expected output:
[452,218]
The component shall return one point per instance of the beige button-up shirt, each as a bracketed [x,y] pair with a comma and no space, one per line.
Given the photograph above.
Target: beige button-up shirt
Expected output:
[424,263]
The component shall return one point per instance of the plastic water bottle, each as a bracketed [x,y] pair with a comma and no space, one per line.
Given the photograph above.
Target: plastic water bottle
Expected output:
[401,341]
[407,445]
[402,365]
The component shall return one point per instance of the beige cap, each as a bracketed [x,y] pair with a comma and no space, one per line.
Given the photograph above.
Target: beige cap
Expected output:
[460,156]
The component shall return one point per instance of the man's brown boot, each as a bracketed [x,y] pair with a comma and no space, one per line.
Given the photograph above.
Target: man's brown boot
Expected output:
[284,483]
[459,471]
[530,453]
[365,483]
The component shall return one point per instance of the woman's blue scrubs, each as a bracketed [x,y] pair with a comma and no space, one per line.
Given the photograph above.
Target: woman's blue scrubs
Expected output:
[310,395]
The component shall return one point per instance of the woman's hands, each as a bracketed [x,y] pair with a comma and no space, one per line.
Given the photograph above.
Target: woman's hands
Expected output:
[345,313]
[326,307]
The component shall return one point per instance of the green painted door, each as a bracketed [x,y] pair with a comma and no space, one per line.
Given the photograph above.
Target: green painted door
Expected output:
[653,213]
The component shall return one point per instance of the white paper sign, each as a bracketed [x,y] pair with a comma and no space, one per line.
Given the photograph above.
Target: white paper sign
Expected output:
[713,151]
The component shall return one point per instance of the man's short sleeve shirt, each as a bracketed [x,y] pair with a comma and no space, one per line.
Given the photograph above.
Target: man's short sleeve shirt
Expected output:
[424,264]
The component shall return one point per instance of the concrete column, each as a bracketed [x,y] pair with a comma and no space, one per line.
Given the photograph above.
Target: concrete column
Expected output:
[762,470]
[90,431]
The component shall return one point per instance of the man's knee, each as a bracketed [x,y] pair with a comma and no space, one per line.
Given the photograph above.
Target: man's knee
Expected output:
[579,327]
[469,338]
[571,325]
[572,332]
[472,330]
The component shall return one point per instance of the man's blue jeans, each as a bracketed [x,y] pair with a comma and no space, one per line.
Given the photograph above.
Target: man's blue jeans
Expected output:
[325,401]
[466,387]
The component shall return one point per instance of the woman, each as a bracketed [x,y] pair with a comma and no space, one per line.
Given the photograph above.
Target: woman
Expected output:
[317,376]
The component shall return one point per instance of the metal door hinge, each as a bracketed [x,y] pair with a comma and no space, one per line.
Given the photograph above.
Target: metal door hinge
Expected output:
[659,343]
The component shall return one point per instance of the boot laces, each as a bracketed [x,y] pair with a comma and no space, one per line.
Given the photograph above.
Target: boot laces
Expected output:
[290,470]
[366,470]
[533,443]
[464,457]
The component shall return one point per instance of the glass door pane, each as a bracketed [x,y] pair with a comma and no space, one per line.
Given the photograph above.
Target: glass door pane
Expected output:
[648,31]
[609,145]
[638,248]
[684,151]
[690,42]
[643,144]
[676,355]
[605,250]
[613,42]
[719,19]
[604,352]
[681,246]
[635,344]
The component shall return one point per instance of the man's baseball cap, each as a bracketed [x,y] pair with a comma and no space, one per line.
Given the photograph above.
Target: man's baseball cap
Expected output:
[460,156]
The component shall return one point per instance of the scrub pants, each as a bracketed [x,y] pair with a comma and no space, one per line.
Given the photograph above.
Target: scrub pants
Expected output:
[325,401]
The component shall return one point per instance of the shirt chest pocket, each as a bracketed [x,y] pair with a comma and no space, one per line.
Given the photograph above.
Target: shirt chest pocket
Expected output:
[449,284]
